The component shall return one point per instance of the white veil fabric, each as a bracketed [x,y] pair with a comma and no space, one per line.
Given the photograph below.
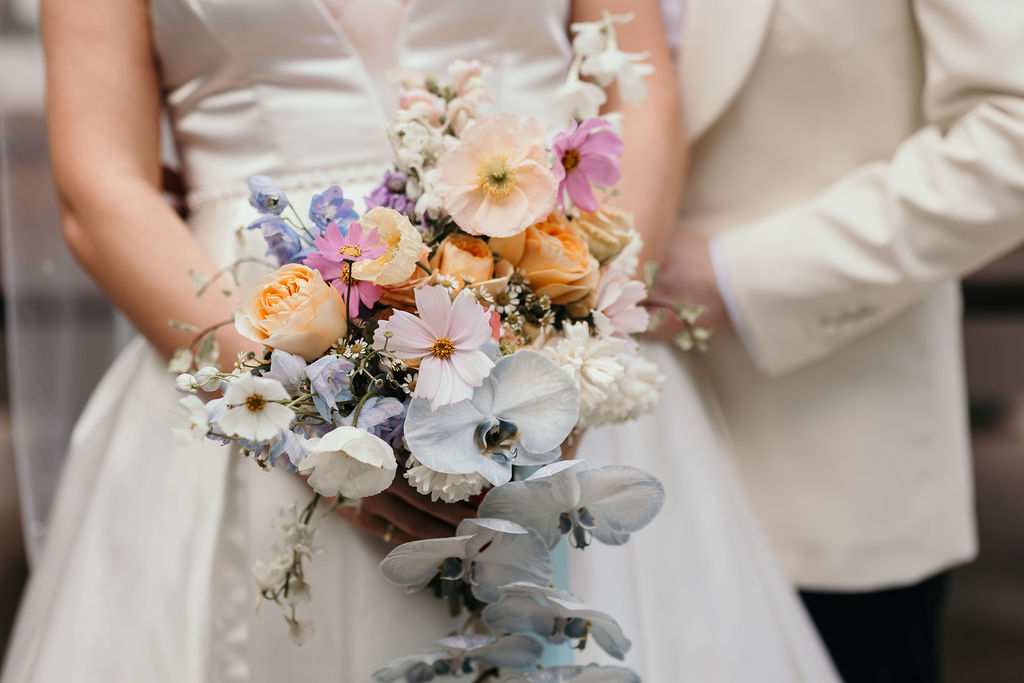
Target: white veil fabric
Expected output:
[60,330]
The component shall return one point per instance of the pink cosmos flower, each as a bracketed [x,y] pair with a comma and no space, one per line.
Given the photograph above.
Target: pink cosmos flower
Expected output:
[587,155]
[447,337]
[334,258]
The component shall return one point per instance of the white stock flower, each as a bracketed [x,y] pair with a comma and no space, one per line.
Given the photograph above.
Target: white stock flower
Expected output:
[268,576]
[576,99]
[252,412]
[451,488]
[593,362]
[591,37]
[637,393]
[197,423]
[349,462]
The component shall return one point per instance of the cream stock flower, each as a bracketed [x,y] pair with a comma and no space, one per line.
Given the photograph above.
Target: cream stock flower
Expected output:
[293,310]
[496,182]
[404,247]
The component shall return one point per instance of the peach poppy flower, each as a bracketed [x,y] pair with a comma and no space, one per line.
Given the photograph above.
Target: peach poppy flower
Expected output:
[496,182]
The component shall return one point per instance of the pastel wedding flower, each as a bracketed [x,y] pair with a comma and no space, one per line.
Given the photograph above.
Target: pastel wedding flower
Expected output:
[283,243]
[391,194]
[617,311]
[330,206]
[451,488]
[627,69]
[457,655]
[402,247]
[349,462]
[265,196]
[286,368]
[446,337]
[487,553]
[575,674]
[330,382]
[577,100]
[197,422]
[593,362]
[637,392]
[608,231]
[568,498]
[334,258]
[496,182]
[254,411]
[294,310]
[554,616]
[587,154]
[520,414]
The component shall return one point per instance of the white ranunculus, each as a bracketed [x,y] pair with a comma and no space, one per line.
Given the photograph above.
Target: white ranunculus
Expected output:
[349,462]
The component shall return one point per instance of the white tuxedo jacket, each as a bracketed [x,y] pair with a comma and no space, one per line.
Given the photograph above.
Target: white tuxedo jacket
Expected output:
[853,159]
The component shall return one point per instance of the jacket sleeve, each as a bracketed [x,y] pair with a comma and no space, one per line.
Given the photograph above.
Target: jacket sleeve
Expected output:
[811,277]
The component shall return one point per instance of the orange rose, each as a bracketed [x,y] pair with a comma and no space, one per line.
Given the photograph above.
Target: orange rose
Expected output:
[294,310]
[553,255]
[464,258]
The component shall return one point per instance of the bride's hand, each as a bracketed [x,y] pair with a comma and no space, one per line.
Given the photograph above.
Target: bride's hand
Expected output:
[401,514]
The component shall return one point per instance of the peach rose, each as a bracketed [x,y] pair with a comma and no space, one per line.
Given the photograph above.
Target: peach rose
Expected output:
[608,230]
[553,255]
[464,257]
[294,310]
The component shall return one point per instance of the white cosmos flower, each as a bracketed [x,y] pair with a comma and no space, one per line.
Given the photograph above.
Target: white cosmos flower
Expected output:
[349,462]
[197,424]
[566,497]
[252,412]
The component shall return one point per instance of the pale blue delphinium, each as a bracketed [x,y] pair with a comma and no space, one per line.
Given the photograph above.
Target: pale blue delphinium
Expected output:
[555,616]
[265,196]
[379,415]
[520,415]
[486,553]
[289,445]
[457,655]
[608,503]
[330,206]
[330,381]
[287,368]
[576,674]
[283,243]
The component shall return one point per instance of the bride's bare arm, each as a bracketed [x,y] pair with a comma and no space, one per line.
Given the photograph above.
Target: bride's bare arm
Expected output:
[104,121]
[654,162]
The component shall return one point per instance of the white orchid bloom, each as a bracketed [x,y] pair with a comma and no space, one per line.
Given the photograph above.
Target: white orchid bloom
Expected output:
[253,409]
[349,462]
[566,497]
[555,616]
[576,674]
[521,414]
[486,553]
[456,655]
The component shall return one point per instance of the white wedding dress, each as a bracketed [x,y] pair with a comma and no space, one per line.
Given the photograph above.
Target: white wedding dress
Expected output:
[145,575]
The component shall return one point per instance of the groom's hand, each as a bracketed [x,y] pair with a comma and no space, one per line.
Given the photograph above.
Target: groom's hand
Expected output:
[401,514]
[687,275]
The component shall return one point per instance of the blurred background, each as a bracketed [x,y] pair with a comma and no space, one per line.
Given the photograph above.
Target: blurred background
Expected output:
[984,639]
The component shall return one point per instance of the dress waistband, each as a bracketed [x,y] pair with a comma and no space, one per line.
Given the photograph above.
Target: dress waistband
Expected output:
[316,179]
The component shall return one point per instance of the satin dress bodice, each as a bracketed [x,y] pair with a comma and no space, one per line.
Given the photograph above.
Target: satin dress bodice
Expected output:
[287,87]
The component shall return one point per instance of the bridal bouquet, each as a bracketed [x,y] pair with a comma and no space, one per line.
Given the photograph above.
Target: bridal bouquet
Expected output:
[480,314]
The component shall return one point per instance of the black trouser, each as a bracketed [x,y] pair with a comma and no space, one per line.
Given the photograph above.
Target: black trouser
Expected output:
[889,636]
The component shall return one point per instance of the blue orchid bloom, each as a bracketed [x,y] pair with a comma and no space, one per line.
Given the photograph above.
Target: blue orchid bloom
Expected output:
[485,553]
[457,655]
[576,674]
[555,616]
[607,504]
[520,415]
[265,196]
[330,206]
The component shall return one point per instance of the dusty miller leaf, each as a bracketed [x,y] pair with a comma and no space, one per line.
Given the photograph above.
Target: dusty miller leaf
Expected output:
[650,274]
[181,361]
[208,352]
[184,327]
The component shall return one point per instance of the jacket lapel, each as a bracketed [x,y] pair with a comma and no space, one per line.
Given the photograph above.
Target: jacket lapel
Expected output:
[721,42]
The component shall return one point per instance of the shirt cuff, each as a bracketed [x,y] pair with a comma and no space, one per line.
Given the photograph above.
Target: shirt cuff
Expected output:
[732,309]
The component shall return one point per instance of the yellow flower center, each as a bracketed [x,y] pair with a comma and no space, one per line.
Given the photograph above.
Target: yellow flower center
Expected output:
[255,403]
[443,348]
[351,250]
[346,275]
[497,178]
[571,160]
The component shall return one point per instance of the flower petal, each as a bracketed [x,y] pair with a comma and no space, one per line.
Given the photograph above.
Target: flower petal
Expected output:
[444,440]
[414,564]
[620,499]
[534,393]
